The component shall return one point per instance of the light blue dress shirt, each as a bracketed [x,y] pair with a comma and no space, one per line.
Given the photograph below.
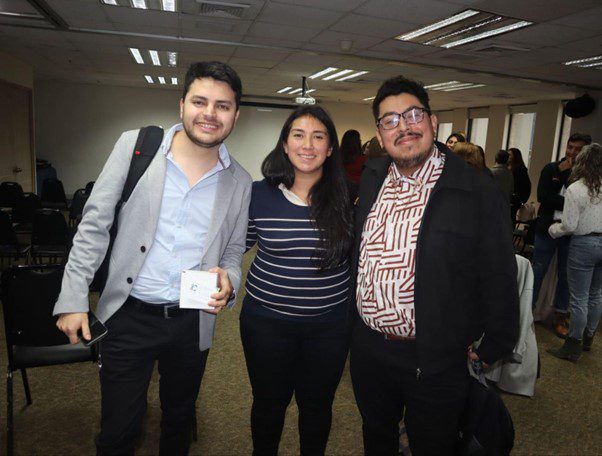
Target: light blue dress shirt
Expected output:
[182,228]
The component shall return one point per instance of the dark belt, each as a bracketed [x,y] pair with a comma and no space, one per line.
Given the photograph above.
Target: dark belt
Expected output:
[167,310]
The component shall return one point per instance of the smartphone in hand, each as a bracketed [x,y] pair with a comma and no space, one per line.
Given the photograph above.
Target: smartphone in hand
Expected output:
[97,330]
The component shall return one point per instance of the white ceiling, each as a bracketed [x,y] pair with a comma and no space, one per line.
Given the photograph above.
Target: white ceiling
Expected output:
[277,42]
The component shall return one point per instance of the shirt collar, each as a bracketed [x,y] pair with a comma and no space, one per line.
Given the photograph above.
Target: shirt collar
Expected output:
[223,157]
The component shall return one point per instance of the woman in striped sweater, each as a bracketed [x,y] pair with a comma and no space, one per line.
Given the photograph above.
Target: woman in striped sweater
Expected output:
[293,321]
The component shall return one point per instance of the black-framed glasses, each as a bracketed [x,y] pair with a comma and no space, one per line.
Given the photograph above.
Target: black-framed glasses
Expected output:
[411,116]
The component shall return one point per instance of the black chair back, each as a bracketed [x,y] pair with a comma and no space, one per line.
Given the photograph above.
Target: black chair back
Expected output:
[28,297]
[49,228]
[77,206]
[26,207]
[10,193]
[89,187]
[53,193]
[8,238]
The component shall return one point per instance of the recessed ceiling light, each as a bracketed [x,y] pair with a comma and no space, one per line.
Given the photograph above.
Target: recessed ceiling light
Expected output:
[322,72]
[337,74]
[161,80]
[351,76]
[141,4]
[295,91]
[110,2]
[470,86]
[137,56]
[172,58]
[441,84]
[489,33]
[284,90]
[310,90]
[438,25]
[174,81]
[461,29]
[169,5]
[154,55]
[369,99]
[589,59]
[149,79]
[590,65]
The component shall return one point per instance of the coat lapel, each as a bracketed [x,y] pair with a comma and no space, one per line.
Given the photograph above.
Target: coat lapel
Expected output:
[223,196]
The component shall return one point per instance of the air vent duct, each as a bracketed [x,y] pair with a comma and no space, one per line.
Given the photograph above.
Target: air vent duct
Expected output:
[222,10]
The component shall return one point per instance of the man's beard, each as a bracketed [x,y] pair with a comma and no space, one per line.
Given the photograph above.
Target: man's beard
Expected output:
[412,162]
[204,144]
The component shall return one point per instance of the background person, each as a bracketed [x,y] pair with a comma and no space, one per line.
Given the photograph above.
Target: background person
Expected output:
[453,139]
[582,220]
[353,159]
[522,182]
[293,322]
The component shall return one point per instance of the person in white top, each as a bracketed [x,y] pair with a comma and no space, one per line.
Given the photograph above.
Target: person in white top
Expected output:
[582,218]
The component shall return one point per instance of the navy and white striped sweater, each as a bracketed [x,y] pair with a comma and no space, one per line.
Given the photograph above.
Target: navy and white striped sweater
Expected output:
[283,281]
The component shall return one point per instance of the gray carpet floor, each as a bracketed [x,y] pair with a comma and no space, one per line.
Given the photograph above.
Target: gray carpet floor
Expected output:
[564,417]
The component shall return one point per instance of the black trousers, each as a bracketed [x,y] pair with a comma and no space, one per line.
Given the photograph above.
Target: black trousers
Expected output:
[283,357]
[388,389]
[128,353]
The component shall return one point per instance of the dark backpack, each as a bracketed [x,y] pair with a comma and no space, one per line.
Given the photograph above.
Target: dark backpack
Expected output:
[486,426]
[147,144]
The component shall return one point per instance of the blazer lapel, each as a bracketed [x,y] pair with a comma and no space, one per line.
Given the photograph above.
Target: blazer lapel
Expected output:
[225,190]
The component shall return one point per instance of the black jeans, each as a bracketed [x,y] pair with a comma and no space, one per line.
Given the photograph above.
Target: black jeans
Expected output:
[283,357]
[387,389]
[128,353]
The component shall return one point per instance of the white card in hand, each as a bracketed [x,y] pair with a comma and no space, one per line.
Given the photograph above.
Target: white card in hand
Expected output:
[196,288]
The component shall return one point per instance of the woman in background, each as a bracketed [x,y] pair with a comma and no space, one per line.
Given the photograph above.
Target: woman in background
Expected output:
[353,160]
[522,183]
[582,218]
[453,139]
[293,321]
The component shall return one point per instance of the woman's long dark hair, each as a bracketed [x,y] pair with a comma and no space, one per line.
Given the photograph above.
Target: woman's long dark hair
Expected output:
[351,146]
[517,159]
[330,205]
[588,166]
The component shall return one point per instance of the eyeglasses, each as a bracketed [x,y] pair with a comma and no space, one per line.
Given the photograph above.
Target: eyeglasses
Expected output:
[412,116]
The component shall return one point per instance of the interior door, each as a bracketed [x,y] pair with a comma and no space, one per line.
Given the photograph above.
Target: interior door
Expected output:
[17,163]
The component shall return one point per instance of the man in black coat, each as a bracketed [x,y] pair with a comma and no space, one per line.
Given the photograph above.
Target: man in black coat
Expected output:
[552,184]
[435,271]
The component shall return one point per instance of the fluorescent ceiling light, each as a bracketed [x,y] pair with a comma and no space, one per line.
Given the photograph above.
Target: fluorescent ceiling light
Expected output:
[441,84]
[110,2]
[323,72]
[589,59]
[354,75]
[169,5]
[465,29]
[141,4]
[589,65]
[369,99]
[454,86]
[437,25]
[295,91]
[137,56]
[471,86]
[337,74]
[488,34]
[286,89]
[154,55]
[174,81]
[149,79]
[161,80]
[172,58]
[310,90]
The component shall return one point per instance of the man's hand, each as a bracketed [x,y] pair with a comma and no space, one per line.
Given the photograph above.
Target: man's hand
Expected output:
[565,164]
[70,323]
[220,299]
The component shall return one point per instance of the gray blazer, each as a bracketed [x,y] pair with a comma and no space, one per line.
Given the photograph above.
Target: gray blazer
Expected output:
[224,244]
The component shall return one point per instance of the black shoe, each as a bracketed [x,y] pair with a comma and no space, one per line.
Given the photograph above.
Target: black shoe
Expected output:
[587,341]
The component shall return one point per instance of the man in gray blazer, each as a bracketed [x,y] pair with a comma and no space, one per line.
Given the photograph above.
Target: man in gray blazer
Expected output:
[189,211]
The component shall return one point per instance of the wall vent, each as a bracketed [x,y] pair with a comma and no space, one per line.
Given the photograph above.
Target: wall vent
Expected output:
[222,10]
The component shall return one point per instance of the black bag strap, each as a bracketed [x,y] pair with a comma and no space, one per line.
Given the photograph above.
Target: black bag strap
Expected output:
[147,145]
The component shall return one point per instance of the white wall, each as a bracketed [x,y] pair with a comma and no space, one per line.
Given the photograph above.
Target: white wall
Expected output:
[78,124]
[15,71]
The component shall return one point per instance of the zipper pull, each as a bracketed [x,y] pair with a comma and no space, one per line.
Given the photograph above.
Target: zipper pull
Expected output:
[418,372]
